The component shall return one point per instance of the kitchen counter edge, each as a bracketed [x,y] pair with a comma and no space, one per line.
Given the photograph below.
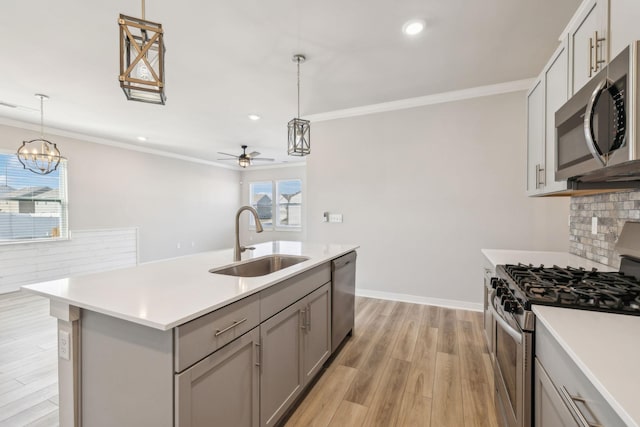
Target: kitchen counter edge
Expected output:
[70,290]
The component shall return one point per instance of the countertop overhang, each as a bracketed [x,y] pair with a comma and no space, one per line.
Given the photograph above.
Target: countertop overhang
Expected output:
[167,293]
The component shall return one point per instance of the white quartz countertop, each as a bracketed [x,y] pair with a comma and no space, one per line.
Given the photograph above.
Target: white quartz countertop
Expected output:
[549,259]
[606,348]
[168,293]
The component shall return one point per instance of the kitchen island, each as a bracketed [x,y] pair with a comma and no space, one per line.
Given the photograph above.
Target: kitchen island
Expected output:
[135,345]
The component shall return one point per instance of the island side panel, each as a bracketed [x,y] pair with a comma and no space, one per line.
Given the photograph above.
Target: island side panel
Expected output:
[127,373]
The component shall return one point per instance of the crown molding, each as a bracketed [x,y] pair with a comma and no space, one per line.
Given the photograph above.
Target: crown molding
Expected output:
[440,98]
[111,143]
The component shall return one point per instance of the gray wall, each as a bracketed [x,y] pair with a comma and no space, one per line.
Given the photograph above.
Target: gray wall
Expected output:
[273,174]
[422,190]
[171,201]
[612,211]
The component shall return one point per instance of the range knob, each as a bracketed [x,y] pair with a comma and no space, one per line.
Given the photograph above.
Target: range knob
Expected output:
[500,290]
[495,282]
[510,306]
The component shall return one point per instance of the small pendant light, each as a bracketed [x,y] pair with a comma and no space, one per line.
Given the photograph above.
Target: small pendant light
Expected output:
[299,130]
[142,59]
[39,155]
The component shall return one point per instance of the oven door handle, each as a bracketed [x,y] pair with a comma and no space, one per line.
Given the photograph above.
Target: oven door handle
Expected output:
[513,333]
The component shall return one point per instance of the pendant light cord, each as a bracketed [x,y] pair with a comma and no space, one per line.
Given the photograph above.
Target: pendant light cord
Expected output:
[298,61]
[143,9]
[41,116]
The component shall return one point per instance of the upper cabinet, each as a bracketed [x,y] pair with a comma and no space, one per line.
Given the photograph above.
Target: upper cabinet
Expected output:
[548,94]
[599,30]
[623,17]
[588,38]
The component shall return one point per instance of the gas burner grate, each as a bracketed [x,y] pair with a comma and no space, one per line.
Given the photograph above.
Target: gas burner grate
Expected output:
[577,288]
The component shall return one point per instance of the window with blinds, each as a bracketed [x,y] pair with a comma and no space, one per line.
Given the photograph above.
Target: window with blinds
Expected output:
[32,206]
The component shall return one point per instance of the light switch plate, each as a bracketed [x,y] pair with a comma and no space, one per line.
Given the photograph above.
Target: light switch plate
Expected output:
[335,217]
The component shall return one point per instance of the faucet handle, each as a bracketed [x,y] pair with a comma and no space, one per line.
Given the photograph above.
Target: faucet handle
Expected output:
[246,248]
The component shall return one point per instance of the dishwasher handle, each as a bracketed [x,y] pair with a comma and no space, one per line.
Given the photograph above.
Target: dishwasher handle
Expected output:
[343,261]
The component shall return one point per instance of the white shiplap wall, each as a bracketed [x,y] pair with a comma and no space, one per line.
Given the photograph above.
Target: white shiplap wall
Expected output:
[87,251]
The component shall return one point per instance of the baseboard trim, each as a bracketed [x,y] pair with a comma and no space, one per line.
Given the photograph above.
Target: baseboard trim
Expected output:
[391,296]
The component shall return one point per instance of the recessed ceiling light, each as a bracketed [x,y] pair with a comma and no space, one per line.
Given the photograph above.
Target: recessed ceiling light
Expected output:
[253,117]
[142,138]
[413,27]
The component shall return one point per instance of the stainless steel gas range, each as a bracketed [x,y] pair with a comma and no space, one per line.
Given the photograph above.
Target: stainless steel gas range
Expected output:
[517,287]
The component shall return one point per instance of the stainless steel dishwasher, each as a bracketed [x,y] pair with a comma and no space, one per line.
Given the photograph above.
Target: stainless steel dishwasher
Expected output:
[343,289]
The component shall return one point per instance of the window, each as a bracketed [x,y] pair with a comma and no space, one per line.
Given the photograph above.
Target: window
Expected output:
[31,206]
[282,212]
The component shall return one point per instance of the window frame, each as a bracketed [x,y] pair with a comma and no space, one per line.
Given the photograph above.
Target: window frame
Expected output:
[275,206]
[64,233]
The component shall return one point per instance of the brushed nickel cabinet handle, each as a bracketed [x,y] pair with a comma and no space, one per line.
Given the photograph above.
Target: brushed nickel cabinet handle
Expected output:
[258,354]
[303,314]
[598,43]
[233,325]
[576,412]
[308,317]
[591,67]
[537,176]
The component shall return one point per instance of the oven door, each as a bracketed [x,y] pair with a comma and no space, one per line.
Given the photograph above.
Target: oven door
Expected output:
[489,323]
[513,372]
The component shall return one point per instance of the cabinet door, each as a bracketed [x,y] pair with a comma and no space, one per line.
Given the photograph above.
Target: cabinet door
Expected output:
[585,50]
[624,27]
[317,330]
[281,377]
[535,137]
[222,389]
[550,410]
[556,86]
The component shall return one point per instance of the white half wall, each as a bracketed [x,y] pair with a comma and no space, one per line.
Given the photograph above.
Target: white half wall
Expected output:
[172,202]
[422,190]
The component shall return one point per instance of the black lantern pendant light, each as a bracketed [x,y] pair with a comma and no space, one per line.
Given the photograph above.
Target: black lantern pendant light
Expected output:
[142,59]
[39,155]
[299,130]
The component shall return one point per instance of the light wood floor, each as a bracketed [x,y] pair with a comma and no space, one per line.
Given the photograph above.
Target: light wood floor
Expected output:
[406,365]
[28,362]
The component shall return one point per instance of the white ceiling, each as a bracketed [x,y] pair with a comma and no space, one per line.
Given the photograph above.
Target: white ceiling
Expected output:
[226,59]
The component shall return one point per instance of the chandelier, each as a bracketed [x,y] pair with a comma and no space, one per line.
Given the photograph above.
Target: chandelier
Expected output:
[142,59]
[39,155]
[299,130]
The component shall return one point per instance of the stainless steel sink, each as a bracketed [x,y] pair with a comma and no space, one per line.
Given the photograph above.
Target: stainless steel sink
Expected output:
[260,266]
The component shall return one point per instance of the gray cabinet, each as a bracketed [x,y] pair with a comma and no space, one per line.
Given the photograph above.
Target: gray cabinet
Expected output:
[316,337]
[550,410]
[535,138]
[548,94]
[223,389]
[588,37]
[295,344]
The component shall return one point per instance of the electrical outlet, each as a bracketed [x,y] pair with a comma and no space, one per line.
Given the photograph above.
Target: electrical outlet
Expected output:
[63,345]
[594,225]
[178,245]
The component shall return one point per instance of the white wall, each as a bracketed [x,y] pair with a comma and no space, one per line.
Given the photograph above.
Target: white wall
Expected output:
[422,190]
[250,175]
[171,201]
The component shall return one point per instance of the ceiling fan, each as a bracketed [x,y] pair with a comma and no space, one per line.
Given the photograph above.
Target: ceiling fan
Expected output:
[245,159]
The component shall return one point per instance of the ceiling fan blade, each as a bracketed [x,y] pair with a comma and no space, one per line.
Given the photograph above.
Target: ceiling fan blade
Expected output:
[227,159]
[263,158]
[227,154]
[254,154]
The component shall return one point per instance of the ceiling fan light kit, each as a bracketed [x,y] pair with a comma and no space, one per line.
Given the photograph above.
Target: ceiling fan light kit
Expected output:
[39,155]
[142,54]
[299,130]
[245,159]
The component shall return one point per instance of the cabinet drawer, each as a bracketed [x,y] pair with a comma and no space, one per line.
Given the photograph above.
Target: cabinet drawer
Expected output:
[565,374]
[282,295]
[204,335]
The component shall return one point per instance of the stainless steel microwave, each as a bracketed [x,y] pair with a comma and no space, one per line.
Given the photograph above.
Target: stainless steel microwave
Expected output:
[596,128]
